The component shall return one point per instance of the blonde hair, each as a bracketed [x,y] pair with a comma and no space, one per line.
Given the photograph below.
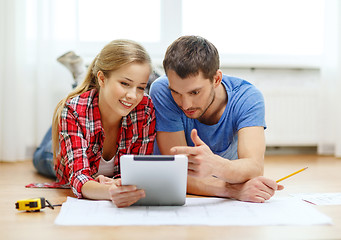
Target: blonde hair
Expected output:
[113,56]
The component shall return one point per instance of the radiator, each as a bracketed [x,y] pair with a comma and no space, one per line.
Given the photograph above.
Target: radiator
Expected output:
[291,116]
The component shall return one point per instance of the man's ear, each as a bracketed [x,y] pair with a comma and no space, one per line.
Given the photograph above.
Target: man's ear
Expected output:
[100,78]
[217,78]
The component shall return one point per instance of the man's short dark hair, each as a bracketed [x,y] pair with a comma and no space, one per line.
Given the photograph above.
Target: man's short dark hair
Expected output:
[188,55]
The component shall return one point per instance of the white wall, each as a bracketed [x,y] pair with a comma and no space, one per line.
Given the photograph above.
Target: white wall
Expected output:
[330,97]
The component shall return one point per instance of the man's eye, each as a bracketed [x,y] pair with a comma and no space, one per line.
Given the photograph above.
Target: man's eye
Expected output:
[195,92]
[173,92]
[141,88]
[125,84]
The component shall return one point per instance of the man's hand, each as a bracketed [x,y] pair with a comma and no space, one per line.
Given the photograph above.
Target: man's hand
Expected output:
[258,189]
[201,160]
[124,196]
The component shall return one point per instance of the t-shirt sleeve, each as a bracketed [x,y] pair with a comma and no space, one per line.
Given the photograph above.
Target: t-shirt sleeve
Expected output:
[250,109]
[168,114]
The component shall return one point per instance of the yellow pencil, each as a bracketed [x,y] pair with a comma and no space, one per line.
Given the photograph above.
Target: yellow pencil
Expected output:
[291,174]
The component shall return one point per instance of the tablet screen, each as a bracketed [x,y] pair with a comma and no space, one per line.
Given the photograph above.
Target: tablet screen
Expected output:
[163,178]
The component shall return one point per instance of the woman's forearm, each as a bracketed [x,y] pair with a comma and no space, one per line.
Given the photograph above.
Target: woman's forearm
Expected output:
[95,190]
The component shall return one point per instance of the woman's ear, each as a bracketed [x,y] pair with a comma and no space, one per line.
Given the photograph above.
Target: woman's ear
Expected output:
[100,78]
[217,78]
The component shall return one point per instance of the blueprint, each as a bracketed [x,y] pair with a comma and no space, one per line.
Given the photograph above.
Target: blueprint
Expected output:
[196,211]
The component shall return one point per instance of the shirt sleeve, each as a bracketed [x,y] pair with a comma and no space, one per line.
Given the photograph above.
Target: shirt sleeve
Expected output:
[73,146]
[251,109]
[168,114]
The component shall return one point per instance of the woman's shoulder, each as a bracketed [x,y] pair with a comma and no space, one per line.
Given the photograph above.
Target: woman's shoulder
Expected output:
[141,113]
[84,99]
[83,102]
[146,102]
[145,108]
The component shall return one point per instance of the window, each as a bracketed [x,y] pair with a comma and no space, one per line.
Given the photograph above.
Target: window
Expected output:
[104,20]
[257,32]
[277,27]
[246,32]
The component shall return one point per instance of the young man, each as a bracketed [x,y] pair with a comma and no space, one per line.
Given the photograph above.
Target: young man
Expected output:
[216,120]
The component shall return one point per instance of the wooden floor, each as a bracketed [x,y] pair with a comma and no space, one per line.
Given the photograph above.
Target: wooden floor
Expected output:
[323,175]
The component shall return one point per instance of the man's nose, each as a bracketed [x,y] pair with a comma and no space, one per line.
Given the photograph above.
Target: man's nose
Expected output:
[186,103]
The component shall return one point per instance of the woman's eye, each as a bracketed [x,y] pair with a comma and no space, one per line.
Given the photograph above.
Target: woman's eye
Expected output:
[125,84]
[141,88]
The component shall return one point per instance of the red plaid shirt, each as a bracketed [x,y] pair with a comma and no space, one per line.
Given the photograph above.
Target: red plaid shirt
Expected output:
[81,138]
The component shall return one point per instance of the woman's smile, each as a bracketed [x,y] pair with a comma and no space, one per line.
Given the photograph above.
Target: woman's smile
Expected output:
[125,104]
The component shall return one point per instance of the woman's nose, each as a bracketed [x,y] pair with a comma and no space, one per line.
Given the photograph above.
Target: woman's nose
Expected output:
[131,93]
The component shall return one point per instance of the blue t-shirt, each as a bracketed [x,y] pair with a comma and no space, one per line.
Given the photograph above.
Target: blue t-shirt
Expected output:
[245,108]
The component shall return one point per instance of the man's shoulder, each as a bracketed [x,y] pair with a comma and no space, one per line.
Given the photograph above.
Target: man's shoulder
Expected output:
[235,82]
[238,85]
[159,84]
[162,79]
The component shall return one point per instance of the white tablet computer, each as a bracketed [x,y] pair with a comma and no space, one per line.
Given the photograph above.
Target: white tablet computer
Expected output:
[163,178]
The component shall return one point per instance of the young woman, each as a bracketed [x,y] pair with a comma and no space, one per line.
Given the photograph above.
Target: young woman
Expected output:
[106,116]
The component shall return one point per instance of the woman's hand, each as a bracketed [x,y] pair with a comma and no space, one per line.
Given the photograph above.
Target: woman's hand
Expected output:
[104,180]
[124,196]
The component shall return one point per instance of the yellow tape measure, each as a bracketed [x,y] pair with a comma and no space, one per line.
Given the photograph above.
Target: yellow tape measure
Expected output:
[33,204]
